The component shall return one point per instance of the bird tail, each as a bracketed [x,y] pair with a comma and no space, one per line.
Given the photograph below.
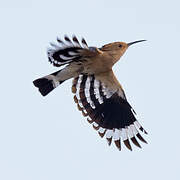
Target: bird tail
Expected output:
[47,83]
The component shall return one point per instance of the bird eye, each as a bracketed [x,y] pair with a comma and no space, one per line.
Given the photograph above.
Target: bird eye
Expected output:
[120,45]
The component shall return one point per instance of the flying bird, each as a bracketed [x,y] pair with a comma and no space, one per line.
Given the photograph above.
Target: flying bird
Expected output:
[98,94]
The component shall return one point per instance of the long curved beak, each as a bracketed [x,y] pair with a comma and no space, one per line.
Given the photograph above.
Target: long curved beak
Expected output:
[129,44]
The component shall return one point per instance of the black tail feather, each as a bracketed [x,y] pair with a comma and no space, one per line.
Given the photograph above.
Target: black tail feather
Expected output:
[40,82]
[45,85]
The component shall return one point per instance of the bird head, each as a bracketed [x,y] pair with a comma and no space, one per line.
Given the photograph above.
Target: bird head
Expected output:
[117,49]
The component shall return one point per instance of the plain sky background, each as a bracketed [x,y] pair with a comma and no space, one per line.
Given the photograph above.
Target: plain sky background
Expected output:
[47,138]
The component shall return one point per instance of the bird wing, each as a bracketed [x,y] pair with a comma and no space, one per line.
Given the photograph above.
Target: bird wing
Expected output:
[107,110]
[68,51]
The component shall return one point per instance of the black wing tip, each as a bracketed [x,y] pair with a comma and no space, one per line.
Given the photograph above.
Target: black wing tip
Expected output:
[135,142]
[127,144]
[143,130]
[141,138]
[109,140]
[118,144]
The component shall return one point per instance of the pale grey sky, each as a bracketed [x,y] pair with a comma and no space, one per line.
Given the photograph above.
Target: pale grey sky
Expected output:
[45,138]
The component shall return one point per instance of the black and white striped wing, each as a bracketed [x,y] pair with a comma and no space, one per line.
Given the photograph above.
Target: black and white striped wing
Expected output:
[66,51]
[108,112]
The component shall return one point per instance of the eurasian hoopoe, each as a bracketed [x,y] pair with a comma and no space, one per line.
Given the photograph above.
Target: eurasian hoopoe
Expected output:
[98,94]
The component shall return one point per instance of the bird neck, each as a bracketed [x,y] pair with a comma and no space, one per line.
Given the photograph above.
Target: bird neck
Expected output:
[116,56]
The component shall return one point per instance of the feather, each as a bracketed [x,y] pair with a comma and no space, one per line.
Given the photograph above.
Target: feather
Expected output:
[84,43]
[127,144]
[68,40]
[118,144]
[76,41]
